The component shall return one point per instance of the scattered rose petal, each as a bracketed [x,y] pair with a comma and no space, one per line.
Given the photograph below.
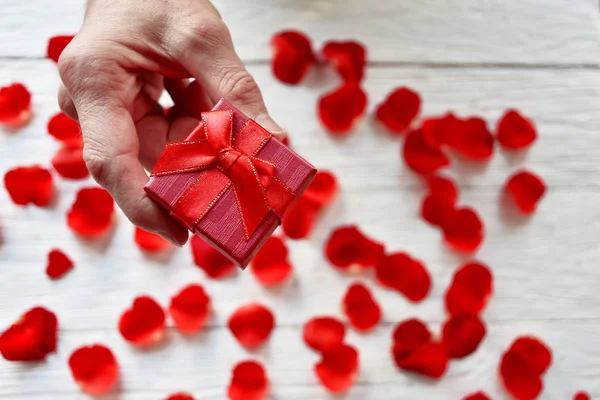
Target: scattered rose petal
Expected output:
[445,130]
[477,396]
[209,259]
[462,334]
[190,308]
[349,249]
[248,382]
[338,368]
[348,58]
[68,162]
[292,56]
[435,209]
[144,323]
[181,396]
[31,338]
[15,105]
[271,265]
[582,396]
[29,185]
[56,45]
[475,140]
[323,189]
[443,186]
[420,156]
[251,324]
[91,213]
[361,308]
[470,289]
[408,337]
[322,333]
[94,369]
[399,110]
[404,274]
[463,230]
[298,223]
[429,359]
[64,129]
[535,353]
[150,242]
[341,110]
[58,264]
[515,131]
[526,190]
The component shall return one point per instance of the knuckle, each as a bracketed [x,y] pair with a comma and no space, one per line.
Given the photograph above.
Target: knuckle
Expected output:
[239,86]
[206,34]
[97,165]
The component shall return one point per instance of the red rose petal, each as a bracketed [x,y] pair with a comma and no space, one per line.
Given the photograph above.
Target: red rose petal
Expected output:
[91,213]
[420,156]
[518,379]
[249,382]
[463,230]
[409,336]
[526,189]
[144,323]
[251,324]
[477,396]
[58,264]
[475,140]
[31,338]
[298,223]
[15,105]
[462,334]
[444,187]
[408,276]
[399,110]
[271,265]
[435,209]
[190,308]
[68,162]
[29,185]
[348,58]
[443,130]
[181,396]
[292,56]
[470,289]
[348,248]
[323,189]
[429,359]
[322,333]
[536,354]
[94,369]
[361,308]
[64,128]
[56,45]
[338,368]
[209,259]
[341,109]
[582,396]
[515,131]
[150,242]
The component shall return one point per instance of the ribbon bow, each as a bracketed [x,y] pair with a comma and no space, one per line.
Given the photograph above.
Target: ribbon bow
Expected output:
[225,161]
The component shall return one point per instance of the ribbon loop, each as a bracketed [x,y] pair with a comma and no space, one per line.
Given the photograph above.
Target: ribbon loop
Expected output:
[210,146]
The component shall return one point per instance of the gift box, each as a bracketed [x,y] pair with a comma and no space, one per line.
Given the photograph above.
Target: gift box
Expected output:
[230,182]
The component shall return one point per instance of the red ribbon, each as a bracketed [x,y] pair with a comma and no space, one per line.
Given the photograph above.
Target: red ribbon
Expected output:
[225,161]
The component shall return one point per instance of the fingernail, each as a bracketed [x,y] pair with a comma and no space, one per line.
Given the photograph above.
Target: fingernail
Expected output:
[264,120]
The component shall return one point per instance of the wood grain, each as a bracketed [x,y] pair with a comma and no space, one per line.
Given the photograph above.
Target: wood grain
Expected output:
[531,32]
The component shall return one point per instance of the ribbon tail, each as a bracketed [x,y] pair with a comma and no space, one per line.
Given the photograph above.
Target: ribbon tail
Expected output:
[250,194]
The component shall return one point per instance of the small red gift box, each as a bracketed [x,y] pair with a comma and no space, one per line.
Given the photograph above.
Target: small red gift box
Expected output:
[230,182]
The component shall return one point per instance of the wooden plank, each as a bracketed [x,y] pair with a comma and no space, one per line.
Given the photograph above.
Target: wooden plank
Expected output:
[202,365]
[428,31]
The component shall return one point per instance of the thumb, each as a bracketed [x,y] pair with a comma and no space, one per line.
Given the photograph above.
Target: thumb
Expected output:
[222,75]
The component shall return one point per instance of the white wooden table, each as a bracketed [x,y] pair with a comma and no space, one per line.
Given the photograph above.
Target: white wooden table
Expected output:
[477,57]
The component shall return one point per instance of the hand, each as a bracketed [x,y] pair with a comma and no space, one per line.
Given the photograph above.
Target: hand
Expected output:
[113,73]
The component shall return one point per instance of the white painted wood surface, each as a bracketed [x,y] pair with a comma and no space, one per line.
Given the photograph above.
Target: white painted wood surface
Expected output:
[474,57]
